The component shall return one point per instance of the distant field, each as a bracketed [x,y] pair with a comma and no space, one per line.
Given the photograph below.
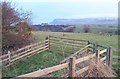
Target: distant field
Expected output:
[95,29]
[53,57]
[100,39]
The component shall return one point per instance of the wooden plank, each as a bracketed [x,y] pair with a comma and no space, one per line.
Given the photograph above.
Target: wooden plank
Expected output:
[28,46]
[82,70]
[85,58]
[117,57]
[68,44]
[5,59]
[69,38]
[115,63]
[28,56]
[103,51]
[90,50]
[76,53]
[2,56]
[16,55]
[75,42]
[102,59]
[28,53]
[103,46]
[45,71]
[37,52]
[43,50]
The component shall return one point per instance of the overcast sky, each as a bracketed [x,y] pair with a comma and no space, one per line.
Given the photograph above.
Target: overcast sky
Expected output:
[44,11]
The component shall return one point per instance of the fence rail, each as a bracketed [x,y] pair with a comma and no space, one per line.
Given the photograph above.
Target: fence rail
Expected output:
[116,62]
[104,55]
[70,65]
[10,58]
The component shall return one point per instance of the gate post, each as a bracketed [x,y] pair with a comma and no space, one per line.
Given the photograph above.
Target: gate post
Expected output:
[109,56]
[72,73]
[97,55]
[94,47]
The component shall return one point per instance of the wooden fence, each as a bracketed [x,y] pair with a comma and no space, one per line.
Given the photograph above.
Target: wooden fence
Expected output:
[116,62]
[11,57]
[84,46]
[102,53]
[70,44]
[71,65]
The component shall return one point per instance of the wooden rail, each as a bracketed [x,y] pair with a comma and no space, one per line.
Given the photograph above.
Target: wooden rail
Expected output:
[116,62]
[103,51]
[11,57]
[82,70]
[79,51]
[68,38]
[45,71]
[71,65]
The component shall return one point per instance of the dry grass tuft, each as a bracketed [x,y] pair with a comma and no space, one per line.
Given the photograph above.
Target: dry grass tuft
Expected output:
[98,69]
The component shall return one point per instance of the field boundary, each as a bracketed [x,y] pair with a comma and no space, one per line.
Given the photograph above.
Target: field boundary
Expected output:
[100,53]
[27,51]
[70,65]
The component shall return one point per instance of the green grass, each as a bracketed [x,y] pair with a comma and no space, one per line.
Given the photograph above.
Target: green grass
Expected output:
[99,39]
[36,62]
[96,29]
[56,53]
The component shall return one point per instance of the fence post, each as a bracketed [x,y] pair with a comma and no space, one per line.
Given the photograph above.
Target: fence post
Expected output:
[88,47]
[9,57]
[94,47]
[49,41]
[72,73]
[97,55]
[73,50]
[88,42]
[109,57]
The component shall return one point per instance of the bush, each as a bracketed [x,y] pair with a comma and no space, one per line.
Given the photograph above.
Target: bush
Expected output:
[16,37]
[87,29]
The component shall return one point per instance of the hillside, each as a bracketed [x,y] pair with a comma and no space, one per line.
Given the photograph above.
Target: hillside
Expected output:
[89,21]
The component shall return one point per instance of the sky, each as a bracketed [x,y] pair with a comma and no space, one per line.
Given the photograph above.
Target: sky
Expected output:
[45,11]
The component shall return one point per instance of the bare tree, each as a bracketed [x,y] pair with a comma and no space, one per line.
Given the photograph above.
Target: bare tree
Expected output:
[11,15]
[20,34]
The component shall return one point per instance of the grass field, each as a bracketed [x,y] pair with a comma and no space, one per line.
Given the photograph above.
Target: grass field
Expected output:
[97,29]
[53,57]
[100,39]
